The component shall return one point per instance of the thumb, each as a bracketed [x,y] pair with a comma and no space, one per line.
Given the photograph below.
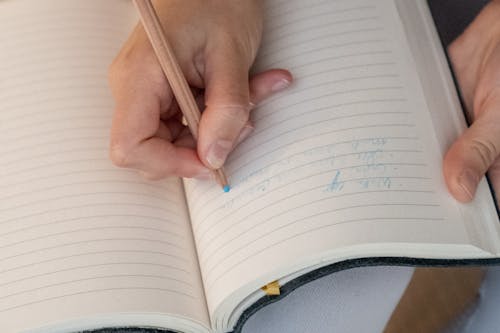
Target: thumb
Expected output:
[474,152]
[229,98]
[227,103]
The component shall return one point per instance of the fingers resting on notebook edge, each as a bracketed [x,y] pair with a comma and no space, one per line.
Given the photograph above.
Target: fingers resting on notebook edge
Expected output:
[475,57]
[147,133]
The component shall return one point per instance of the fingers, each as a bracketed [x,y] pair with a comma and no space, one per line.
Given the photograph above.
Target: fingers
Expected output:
[229,98]
[265,84]
[139,140]
[494,176]
[145,135]
[474,152]
[262,86]
[156,158]
[135,145]
[227,104]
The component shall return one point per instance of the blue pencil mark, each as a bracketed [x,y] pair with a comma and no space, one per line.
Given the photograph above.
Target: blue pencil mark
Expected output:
[335,185]
[378,141]
[352,164]
[379,183]
[372,142]
[386,182]
[370,157]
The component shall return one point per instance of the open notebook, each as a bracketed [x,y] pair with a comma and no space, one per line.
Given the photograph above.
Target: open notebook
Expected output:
[344,165]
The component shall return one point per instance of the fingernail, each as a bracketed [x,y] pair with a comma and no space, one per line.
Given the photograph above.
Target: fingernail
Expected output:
[468,181]
[217,153]
[204,175]
[280,85]
[245,133]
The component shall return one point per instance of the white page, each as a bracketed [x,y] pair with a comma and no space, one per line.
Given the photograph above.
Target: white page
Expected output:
[346,156]
[79,237]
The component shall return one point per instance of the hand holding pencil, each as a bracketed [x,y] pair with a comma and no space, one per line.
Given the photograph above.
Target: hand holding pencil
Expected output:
[212,46]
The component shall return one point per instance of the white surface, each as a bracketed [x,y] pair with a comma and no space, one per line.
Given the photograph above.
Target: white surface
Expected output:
[356,300]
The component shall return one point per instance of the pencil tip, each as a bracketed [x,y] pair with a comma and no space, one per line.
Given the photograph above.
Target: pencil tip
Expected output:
[226,188]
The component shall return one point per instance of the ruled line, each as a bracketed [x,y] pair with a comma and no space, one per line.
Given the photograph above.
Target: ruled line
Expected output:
[270,126]
[195,209]
[335,46]
[132,288]
[30,123]
[330,12]
[311,162]
[53,222]
[82,230]
[107,252]
[272,100]
[53,164]
[328,59]
[78,195]
[201,233]
[331,24]
[58,132]
[213,280]
[208,215]
[46,86]
[76,110]
[238,169]
[242,219]
[53,154]
[319,37]
[314,98]
[25,278]
[272,5]
[87,241]
[123,173]
[209,254]
[96,182]
[116,205]
[82,99]
[318,133]
[114,276]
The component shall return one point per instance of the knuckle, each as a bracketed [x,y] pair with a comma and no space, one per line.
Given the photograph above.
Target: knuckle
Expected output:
[133,66]
[237,114]
[486,150]
[120,153]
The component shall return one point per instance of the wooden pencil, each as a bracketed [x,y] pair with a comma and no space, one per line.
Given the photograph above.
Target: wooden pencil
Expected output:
[174,74]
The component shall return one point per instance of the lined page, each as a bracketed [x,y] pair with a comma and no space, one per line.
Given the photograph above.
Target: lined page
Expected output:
[79,237]
[345,157]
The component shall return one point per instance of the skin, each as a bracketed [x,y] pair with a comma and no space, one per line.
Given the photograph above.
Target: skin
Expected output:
[475,56]
[216,42]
